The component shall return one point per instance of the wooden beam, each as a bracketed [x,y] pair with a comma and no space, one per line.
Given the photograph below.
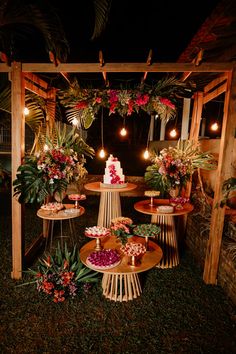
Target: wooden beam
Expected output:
[149,61]
[196,117]
[33,88]
[36,80]
[125,67]
[217,92]
[215,83]
[4,68]
[223,172]
[18,149]
[194,130]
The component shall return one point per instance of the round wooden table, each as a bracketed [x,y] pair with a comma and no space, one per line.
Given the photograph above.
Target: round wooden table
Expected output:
[167,238]
[110,206]
[68,213]
[122,283]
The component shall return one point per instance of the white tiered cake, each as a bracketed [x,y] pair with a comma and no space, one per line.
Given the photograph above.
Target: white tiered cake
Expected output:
[113,177]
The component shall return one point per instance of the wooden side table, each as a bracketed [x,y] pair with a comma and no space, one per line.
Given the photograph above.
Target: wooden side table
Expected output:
[122,283]
[68,213]
[110,206]
[167,238]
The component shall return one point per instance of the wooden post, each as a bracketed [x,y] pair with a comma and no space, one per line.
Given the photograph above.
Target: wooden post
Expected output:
[185,118]
[195,128]
[223,172]
[18,150]
[196,117]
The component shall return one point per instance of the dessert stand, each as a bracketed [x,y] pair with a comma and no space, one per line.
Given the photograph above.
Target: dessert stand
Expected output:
[167,238]
[110,206]
[76,198]
[97,232]
[121,283]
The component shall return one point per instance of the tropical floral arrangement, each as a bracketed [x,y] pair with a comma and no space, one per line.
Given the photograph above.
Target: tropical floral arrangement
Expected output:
[50,170]
[122,227]
[61,275]
[174,166]
[161,99]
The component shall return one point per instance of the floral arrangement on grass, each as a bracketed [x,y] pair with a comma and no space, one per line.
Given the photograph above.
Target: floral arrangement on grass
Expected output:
[147,230]
[51,169]
[61,275]
[160,99]
[174,166]
[122,228]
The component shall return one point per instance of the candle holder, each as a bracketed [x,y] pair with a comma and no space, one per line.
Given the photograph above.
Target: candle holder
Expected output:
[97,232]
[133,250]
[146,231]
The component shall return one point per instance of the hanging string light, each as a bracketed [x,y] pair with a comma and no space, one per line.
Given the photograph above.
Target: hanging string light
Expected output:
[26,111]
[215,126]
[146,153]
[123,131]
[102,152]
[173,133]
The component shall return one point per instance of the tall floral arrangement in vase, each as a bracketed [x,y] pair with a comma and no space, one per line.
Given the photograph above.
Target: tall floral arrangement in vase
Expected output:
[53,167]
[173,167]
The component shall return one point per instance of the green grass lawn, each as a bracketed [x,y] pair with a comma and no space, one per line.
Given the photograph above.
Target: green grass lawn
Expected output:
[176,313]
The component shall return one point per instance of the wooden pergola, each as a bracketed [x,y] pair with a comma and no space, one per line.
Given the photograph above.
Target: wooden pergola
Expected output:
[24,76]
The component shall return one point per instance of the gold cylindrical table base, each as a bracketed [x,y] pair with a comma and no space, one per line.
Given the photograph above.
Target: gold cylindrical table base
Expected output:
[121,287]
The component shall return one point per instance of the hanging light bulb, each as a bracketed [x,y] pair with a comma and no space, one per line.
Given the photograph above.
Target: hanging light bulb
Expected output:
[146,154]
[26,111]
[102,153]
[123,132]
[214,126]
[173,133]
[75,122]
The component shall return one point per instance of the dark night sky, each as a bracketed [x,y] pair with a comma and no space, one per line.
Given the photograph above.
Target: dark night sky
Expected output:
[133,29]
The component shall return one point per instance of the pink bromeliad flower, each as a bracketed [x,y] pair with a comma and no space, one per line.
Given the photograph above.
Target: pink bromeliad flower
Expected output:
[167,102]
[141,100]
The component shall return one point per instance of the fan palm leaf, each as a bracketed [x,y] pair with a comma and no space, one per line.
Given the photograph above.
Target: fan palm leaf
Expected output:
[19,17]
[102,10]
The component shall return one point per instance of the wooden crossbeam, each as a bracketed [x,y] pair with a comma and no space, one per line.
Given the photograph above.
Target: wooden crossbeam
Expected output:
[149,61]
[36,80]
[102,62]
[214,83]
[35,89]
[124,67]
[217,92]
